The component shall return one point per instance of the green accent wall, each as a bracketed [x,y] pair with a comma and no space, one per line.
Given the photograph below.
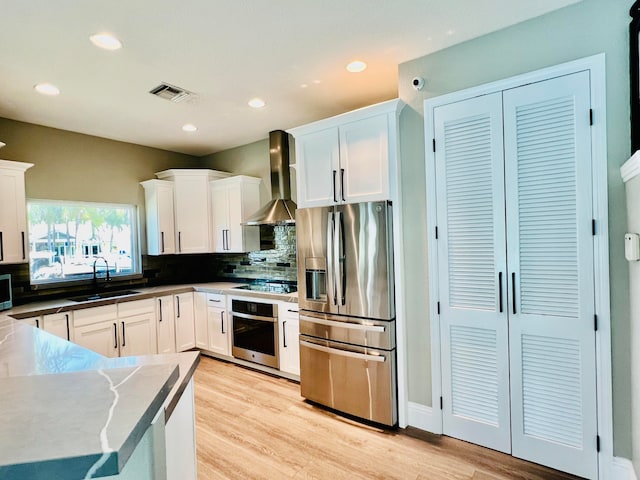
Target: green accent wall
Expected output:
[583,29]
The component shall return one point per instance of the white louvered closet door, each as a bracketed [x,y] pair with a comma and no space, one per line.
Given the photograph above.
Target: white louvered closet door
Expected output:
[471,253]
[550,261]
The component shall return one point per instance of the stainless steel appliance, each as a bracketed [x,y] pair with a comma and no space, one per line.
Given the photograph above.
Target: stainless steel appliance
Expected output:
[270,287]
[347,309]
[255,332]
[6,297]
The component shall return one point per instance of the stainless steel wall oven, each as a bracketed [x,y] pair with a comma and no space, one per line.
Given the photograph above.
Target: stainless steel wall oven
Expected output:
[255,332]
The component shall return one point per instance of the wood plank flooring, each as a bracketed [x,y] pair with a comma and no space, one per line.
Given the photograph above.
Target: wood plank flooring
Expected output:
[253,426]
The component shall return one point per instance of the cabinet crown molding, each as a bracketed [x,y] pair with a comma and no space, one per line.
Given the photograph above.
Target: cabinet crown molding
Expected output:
[18,166]
[631,168]
[394,106]
[191,172]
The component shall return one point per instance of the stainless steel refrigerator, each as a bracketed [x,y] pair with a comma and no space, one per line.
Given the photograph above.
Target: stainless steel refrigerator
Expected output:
[347,309]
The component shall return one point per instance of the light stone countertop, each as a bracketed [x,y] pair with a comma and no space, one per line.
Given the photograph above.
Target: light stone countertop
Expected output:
[55,396]
[65,305]
[66,409]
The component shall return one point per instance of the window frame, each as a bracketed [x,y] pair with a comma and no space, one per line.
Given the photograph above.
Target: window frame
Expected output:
[87,279]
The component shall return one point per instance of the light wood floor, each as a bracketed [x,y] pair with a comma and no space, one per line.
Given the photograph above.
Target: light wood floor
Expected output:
[253,426]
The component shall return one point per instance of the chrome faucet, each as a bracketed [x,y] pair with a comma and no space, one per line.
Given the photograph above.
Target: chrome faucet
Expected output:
[95,275]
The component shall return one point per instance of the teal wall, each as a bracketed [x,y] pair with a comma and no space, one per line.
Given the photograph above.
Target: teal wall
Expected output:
[584,29]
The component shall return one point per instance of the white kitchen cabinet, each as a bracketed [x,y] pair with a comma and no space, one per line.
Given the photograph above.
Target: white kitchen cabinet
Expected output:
[137,328]
[101,337]
[347,158]
[13,212]
[166,327]
[200,320]
[184,320]
[218,324]
[33,321]
[289,324]
[233,200]
[192,207]
[161,231]
[59,324]
[125,329]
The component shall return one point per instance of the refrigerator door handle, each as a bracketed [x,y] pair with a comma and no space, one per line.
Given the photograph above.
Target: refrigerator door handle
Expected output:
[330,264]
[338,261]
[344,353]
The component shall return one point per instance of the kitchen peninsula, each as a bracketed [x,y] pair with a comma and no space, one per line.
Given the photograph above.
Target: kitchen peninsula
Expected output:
[70,413]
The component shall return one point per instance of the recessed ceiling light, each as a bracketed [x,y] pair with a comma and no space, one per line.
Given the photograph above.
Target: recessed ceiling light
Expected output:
[317,82]
[256,103]
[356,66]
[450,32]
[47,89]
[105,41]
[303,85]
[2,144]
[189,127]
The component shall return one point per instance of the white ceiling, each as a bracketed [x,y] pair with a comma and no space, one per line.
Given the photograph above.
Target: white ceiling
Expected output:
[226,51]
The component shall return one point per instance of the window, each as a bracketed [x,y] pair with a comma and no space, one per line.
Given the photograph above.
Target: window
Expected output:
[68,241]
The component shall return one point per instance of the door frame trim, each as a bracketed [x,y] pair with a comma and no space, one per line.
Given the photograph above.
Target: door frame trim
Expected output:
[596,66]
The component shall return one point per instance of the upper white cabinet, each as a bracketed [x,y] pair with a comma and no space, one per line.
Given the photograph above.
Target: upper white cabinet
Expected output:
[233,199]
[192,207]
[161,231]
[347,158]
[13,212]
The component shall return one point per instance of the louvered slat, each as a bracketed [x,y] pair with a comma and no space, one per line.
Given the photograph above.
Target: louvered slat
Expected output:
[470,212]
[547,208]
[551,381]
[474,377]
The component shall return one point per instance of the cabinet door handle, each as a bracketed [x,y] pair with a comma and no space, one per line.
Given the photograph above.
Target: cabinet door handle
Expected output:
[1,248]
[115,335]
[160,305]
[513,288]
[124,338]
[37,323]
[215,301]
[222,321]
[24,250]
[179,241]
[293,311]
[500,290]
[342,183]
[68,329]
[178,306]
[284,335]
[162,242]
[335,200]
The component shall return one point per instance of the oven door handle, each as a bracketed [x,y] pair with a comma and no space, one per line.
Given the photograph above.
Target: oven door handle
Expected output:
[255,317]
[343,353]
[348,325]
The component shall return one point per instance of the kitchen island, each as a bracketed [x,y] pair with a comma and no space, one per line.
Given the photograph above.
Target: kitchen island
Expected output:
[70,413]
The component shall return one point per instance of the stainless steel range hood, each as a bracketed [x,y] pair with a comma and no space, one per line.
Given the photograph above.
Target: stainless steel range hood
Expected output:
[281,210]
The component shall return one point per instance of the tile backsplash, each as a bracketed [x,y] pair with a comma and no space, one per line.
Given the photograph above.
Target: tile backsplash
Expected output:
[277,263]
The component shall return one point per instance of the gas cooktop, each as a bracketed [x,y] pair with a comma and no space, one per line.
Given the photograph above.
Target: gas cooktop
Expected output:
[269,287]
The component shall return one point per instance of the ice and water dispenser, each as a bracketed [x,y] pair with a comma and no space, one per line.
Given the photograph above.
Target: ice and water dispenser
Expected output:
[316,279]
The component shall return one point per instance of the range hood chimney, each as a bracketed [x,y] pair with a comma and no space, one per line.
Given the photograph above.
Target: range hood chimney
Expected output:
[281,209]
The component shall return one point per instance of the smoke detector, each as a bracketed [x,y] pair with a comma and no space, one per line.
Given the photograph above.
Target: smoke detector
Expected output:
[170,92]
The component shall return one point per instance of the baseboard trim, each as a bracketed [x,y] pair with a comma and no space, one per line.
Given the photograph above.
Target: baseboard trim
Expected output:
[622,469]
[422,417]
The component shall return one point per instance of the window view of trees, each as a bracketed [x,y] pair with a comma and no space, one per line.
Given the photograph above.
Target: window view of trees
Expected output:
[66,240]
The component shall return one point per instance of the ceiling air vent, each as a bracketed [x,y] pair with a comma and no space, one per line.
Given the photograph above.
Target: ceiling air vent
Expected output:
[170,92]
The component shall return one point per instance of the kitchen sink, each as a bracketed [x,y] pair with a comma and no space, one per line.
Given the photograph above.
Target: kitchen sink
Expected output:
[102,295]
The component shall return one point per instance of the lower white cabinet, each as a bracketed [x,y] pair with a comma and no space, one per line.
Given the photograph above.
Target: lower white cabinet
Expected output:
[100,337]
[59,324]
[184,320]
[289,324]
[166,326]
[33,321]
[211,323]
[125,329]
[218,324]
